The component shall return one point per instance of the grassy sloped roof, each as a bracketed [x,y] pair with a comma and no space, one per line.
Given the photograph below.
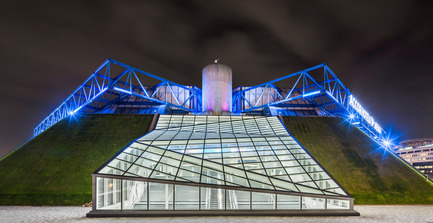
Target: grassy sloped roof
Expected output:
[55,167]
[370,175]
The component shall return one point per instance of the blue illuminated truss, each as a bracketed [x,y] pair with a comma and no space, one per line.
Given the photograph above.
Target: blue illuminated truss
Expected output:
[116,84]
[114,87]
[313,91]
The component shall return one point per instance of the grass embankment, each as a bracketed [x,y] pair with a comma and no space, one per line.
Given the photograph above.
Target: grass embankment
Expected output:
[371,176]
[55,167]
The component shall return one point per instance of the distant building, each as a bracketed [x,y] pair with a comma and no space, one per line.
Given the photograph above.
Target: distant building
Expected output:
[419,153]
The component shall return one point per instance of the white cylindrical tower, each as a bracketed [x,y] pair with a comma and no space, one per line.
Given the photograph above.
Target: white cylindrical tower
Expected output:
[217,89]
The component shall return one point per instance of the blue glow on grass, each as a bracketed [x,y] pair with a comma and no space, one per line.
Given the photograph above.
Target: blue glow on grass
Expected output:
[386,145]
[73,118]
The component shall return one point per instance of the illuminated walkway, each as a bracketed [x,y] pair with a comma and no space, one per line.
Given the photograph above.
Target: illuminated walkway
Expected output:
[369,213]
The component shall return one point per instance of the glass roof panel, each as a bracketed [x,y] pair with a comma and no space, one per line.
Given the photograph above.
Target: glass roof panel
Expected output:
[242,151]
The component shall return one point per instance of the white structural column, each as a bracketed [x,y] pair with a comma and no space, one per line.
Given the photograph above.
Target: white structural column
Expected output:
[217,89]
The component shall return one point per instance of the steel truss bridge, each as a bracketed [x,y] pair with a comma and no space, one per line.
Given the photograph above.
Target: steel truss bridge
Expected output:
[115,86]
[118,88]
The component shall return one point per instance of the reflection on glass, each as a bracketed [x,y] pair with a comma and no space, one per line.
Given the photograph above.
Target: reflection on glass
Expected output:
[238,199]
[263,201]
[212,198]
[252,153]
[160,196]
[186,197]
[108,193]
[337,204]
[313,203]
[134,195]
[288,202]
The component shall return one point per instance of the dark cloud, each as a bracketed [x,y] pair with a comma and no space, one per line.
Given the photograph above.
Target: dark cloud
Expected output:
[382,50]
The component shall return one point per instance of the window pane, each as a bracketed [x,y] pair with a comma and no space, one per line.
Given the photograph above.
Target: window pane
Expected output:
[186,197]
[313,203]
[288,202]
[160,196]
[337,204]
[263,201]
[134,195]
[108,193]
[238,199]
[212,198]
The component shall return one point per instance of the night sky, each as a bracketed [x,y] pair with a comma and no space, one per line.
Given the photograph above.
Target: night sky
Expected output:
[381,50]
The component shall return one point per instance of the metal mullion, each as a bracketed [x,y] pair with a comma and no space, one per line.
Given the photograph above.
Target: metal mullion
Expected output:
[155,165]
[240,155]
[125,171]
[148,194]
[301,173]
[279,161]
[115,169]
[135,175]
[162,155]
[322,190]
[331,188]
[202,157]
[251,200]
[337,196]
[130,154]
[260,162]
[304,159]
[325,179]
[174,195]
[199,198]
[270,125]
[220,180]
[188,170]
[225,199]
[333,194]
[186,145]
[221,152]
[248,156]
[184,179]
[262,183]
[296,161]
[121,194]
[273,168]
[317,172]
[123,161]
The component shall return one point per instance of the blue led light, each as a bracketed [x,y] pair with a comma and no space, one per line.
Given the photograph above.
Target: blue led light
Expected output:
[311,94]
[328,97]
[91,94]
[358,108]
[122,90]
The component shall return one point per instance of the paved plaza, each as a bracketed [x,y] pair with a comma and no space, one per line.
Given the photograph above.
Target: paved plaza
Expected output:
[369,213]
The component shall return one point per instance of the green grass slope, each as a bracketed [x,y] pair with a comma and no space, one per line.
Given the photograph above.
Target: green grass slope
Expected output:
[55,167]
[350,157]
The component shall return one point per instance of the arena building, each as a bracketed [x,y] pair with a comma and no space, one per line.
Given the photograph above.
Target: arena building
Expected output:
[216,150]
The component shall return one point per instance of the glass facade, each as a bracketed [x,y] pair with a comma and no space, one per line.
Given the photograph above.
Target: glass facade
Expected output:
[139,195]
[216,163]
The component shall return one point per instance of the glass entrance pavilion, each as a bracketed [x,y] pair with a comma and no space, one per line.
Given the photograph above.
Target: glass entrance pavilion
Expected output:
[216,165]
